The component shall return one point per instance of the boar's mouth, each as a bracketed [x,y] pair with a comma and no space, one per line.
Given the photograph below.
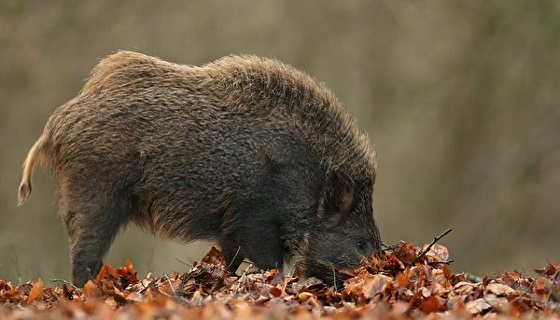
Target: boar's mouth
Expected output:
[325,270]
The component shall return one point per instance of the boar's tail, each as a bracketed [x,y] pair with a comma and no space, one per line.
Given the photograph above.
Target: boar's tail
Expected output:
[35,155]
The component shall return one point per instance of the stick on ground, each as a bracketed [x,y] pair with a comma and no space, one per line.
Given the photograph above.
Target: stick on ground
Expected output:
[436,239]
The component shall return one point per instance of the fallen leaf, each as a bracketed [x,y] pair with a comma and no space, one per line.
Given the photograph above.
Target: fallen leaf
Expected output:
[91,291]
[432,304]
[405,252]
[374,285]
[500,289]
[36,291]
[437,252]
[477,306]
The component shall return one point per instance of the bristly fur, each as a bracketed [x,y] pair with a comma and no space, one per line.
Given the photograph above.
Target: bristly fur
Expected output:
[244,150]
[299,98]
[308,103]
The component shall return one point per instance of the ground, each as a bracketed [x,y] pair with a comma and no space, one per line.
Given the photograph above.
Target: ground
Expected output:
[405,282]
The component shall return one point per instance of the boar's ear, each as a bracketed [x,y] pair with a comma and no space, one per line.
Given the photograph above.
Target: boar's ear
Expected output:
[337,197]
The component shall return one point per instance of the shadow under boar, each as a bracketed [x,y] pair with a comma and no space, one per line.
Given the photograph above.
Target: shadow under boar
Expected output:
[244,151]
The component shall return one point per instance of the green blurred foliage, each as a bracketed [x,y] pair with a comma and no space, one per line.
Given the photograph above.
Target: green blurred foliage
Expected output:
[461,100]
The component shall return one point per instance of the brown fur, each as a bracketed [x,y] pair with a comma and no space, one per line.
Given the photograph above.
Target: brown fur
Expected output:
[244,150]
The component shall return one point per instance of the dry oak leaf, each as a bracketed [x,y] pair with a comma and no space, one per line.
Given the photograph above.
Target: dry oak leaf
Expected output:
[376,284]
[36,292]
[500,290]
[437,251]
[432,304]
[405,252]
[478,306]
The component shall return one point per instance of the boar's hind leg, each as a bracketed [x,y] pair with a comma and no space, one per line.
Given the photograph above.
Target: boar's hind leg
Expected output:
[92,225]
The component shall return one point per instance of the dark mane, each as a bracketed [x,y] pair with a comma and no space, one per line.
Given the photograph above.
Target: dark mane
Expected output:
[306,100]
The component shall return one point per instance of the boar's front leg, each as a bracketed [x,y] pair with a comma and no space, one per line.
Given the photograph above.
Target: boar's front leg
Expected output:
[256,235]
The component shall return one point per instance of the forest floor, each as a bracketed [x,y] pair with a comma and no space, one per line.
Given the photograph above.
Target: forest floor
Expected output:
[405,282]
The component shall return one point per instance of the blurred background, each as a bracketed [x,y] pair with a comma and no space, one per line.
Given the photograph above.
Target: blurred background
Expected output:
[461,100]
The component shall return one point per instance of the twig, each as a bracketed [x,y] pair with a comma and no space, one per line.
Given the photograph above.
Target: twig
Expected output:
[234,256]
[436,239]
[473,278]
[334,278]
[556,274]
[152,252]
[170,284]
[15,261]
[385,247]
[184,262]
[291,271]
[447,262]
[284,284]
[243,276]
[91,277]
[66,282]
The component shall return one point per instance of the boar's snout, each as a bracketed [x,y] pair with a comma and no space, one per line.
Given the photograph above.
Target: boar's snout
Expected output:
[327,252]
[345,232]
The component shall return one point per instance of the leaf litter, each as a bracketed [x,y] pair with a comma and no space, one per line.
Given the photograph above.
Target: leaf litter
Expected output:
[405,282]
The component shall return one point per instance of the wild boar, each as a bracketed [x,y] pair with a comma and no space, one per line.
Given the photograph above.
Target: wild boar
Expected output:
[245,151]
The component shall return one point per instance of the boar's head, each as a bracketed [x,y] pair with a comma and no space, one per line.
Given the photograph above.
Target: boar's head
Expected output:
[345,231]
